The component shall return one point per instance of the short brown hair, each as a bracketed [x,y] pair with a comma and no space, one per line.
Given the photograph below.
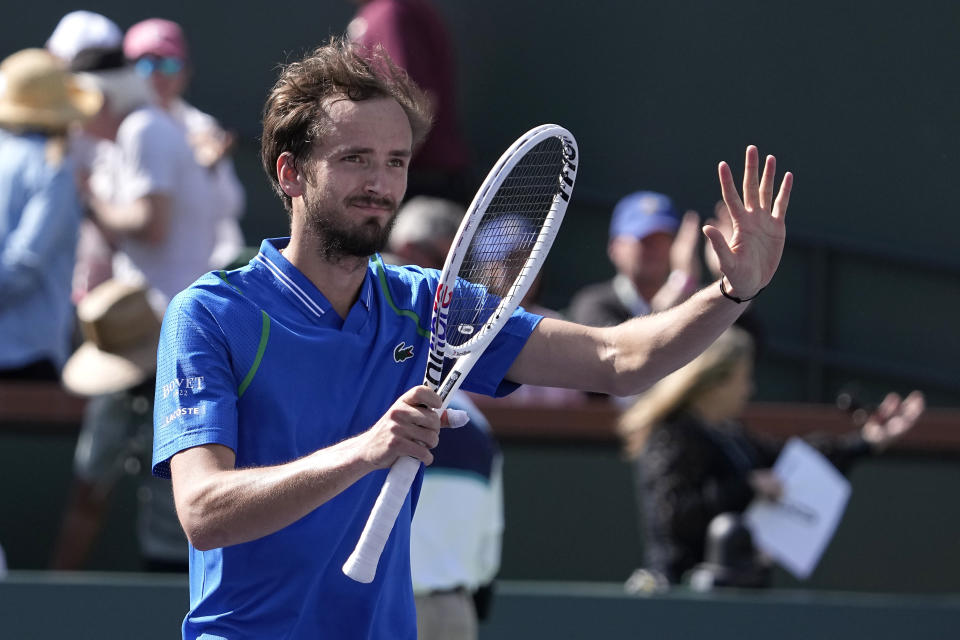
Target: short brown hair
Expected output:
[295,114]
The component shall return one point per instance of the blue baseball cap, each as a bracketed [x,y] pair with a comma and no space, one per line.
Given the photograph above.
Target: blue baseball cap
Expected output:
[642,213]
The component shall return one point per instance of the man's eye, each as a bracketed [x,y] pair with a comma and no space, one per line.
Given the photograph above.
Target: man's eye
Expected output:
[397,162]
[353,158]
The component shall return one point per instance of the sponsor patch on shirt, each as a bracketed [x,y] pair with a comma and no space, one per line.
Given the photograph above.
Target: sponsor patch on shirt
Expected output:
[183,386]
[183,411]
[402,352]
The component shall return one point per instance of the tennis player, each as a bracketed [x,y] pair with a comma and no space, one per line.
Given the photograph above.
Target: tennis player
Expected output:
[286,388]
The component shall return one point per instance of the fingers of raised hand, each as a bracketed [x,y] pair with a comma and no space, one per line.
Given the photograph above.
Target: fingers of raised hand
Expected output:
[751,186]
[780,205]
[914,405]
[767,183]
[720,246]
[908,412]
[688,226]
[729,190]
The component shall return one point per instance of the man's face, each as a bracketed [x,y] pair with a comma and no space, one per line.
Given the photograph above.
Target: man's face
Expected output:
[643,260]
[356,177]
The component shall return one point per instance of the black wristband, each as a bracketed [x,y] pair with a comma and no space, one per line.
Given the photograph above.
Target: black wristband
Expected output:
[723,290]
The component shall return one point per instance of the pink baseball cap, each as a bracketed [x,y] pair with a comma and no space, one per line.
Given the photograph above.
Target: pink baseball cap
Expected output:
[157,37]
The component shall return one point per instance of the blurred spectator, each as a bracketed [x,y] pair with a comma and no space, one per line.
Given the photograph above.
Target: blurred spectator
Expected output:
[655,257]
[80,30]
[157,213]
[158,49]
[424,230]
[455,539]
[76,31]
[115,367]
[40,211]
[492,236]
[696,462]
[413,33]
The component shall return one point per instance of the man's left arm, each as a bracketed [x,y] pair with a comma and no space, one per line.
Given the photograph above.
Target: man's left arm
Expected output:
[628,358]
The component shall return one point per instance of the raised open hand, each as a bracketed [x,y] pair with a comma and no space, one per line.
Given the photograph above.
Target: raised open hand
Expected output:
[750,256]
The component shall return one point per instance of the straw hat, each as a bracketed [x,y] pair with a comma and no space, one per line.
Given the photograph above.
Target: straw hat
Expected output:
[121,332]
[37,92]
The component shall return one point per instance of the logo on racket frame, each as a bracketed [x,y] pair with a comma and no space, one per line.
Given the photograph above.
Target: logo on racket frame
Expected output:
[438,334]
[566,182]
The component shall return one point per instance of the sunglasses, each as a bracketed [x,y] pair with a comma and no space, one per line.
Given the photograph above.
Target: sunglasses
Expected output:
[148,65]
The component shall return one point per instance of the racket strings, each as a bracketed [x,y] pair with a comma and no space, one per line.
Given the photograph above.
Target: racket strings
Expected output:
[510,232]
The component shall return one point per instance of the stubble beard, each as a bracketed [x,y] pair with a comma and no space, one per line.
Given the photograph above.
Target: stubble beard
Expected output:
[336,240]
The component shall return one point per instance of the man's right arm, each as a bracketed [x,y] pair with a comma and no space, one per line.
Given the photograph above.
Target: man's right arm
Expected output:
[219,505]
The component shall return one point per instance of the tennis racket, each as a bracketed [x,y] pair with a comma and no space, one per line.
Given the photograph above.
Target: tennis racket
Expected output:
[495,257]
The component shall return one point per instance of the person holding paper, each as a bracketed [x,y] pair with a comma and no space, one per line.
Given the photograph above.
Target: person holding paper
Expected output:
[695,461]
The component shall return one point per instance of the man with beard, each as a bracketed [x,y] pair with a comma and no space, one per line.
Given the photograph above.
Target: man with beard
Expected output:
[285,389]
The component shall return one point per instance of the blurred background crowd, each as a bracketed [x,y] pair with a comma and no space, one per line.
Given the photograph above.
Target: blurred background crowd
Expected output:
[118,189]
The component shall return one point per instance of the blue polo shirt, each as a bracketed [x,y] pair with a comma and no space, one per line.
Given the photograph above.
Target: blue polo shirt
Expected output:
[257,360]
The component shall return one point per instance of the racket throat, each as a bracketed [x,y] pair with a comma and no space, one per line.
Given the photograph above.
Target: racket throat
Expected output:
[449,385]
[433,375]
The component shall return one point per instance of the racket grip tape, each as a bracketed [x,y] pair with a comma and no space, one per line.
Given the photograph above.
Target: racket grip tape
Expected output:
[362,563]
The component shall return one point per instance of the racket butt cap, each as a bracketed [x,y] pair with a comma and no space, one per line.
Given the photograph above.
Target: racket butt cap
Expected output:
[363,572]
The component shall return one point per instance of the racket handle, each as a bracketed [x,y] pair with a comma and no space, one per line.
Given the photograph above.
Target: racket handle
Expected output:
[362,563]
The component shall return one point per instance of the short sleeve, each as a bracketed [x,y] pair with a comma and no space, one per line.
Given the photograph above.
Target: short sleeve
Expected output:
[196,395]
[151,146]
[487,376]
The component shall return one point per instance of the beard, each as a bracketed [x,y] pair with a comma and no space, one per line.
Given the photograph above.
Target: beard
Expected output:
[337,238]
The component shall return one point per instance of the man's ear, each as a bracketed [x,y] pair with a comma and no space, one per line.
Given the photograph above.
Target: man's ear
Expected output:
[289,177]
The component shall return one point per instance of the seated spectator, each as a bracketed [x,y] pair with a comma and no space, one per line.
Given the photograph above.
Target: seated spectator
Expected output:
[40,211]
[695,461]
[655,256]
[158,48]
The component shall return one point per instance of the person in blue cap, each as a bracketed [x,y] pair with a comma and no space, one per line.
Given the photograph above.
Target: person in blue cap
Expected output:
[654,253]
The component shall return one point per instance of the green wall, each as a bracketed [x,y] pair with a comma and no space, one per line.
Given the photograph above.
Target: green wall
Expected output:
[89,606]
[570,516]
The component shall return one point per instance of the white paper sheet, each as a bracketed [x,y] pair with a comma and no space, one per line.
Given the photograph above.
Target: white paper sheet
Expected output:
[796,529]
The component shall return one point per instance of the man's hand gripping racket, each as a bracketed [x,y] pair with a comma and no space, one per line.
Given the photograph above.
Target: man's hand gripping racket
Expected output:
[499,249]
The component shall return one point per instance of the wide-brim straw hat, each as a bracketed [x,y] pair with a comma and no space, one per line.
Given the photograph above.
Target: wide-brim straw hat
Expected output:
[121,332]
[37,92]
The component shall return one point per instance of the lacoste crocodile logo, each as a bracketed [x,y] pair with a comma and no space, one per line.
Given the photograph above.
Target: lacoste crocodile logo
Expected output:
[402,352]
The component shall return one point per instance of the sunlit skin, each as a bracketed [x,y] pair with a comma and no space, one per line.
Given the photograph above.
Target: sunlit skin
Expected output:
[352,183]
[169,87]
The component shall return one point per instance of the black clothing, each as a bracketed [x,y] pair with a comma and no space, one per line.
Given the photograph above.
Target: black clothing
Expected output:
[597,305]
[690,472]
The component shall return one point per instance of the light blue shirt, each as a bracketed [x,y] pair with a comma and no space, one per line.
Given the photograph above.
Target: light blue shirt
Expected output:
[39,217]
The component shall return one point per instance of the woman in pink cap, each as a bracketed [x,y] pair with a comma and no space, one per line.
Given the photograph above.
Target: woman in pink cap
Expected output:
[158,49]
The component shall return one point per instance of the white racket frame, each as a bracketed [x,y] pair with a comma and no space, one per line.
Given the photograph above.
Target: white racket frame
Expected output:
[362,563]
